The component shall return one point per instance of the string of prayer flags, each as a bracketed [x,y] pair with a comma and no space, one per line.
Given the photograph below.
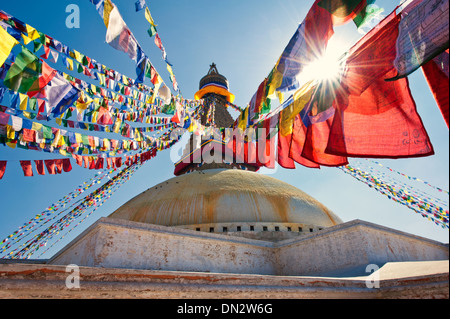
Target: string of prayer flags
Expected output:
[93,202]
[46,216]
[54,166]
[402,194]
[153,32]
[411,177]
[119,36]
[94,199]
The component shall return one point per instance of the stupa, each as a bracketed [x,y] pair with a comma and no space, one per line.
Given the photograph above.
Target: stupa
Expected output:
[224,230]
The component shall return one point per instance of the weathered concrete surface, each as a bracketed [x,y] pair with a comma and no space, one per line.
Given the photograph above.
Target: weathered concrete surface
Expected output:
[397,280]
[345,249]
[225,196]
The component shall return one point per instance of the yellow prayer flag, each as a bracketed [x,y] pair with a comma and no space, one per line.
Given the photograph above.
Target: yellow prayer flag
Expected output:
[274,83]
[32,33]
[7,42]
[70,64]
[10,132]
[117,124]
[301,98]
[26,39]
[107,8]
[78,138]
[148,16]
[169,68]
[243,119]
[94,117]
[106,144]
[76,55]
[23,101]
[36,126]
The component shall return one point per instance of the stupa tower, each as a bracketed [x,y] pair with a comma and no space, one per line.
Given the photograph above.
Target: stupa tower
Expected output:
[214,90]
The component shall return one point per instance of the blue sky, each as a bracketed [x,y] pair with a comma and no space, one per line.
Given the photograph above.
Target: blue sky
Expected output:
[244,38]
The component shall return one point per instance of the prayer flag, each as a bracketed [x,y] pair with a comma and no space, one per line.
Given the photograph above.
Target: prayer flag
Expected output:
[158,42]
[152,31]
[60,95]
[316,140]
[47,74]
[58,165]
[104,117]
[119,36]
[307,44]
[283,151]
[436,73]
[373,117]
[140,4]
[40,167]
[2,168]
[7,43]
[149,18]
[298,140]
[23,72]
[67,166]
[360,11]
[26,167]
[423,34]
[23,101]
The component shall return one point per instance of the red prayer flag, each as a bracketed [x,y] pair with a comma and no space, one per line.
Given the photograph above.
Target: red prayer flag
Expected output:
[299,131]
[59,165]
[316,141]
[27,169]
[28,135]
[2,168]
[99,163]
[283,158]
[374,117]
[382,122]
[158,41]
[40,167]
[104,117]
[50,164]
[92,162]
[436,73]
[67,166]
[118,161]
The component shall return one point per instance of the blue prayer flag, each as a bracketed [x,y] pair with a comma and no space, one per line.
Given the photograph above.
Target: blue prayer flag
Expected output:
[140,4]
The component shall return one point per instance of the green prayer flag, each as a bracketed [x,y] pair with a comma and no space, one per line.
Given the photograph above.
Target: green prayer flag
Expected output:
[23,72]
[32,103]
[80,68]
[47,132]
[152,31]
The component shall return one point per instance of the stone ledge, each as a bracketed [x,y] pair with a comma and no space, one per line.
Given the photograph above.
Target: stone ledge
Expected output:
[38,281]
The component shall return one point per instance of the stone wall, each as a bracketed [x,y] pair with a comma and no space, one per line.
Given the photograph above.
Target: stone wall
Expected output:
[340,250]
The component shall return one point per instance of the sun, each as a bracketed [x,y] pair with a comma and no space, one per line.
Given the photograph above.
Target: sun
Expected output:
[328,67]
